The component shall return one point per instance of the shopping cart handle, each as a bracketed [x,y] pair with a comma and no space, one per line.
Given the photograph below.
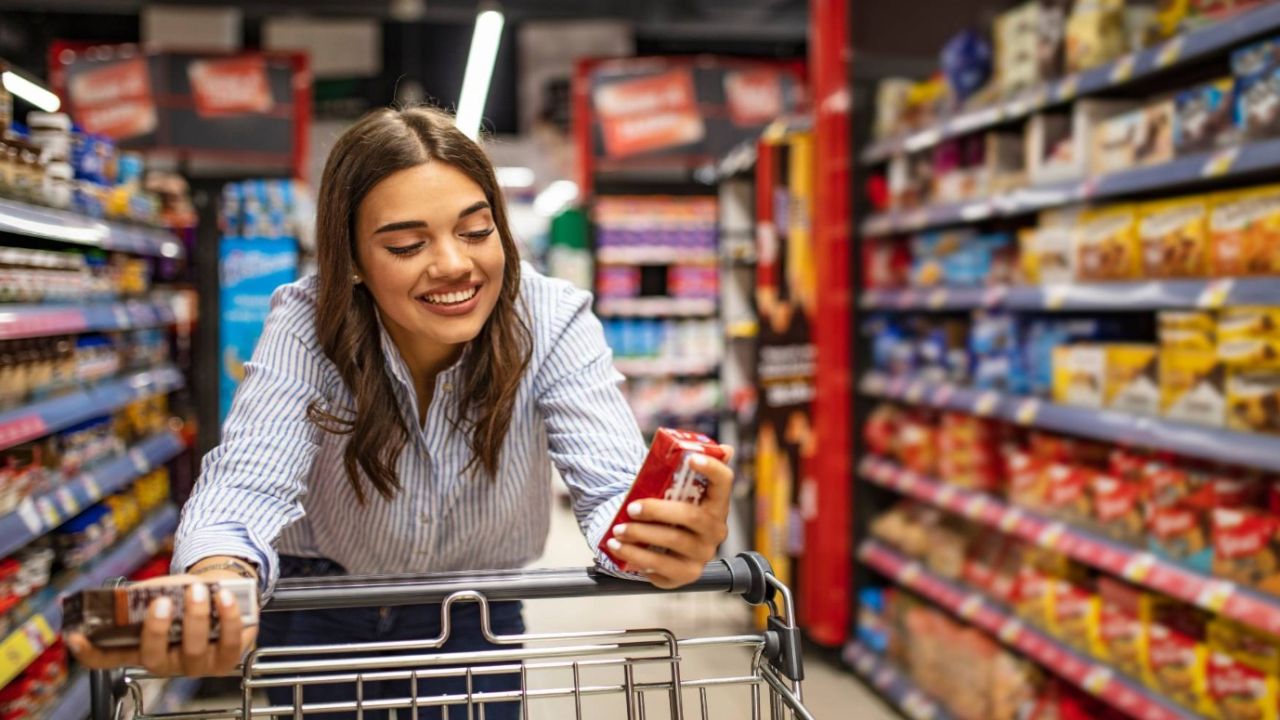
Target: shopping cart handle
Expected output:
[744,575]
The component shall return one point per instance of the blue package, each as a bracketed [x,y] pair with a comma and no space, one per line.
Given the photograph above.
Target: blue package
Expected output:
[966,62]
[1257,93]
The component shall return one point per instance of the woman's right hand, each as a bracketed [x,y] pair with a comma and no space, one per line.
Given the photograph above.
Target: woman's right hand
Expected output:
[196,655]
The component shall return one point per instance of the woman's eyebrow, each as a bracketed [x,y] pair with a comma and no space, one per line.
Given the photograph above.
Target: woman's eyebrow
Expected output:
[402,225]
[473,208]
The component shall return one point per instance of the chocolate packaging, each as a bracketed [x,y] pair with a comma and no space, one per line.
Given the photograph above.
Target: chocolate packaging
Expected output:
[667,475]
[112,618]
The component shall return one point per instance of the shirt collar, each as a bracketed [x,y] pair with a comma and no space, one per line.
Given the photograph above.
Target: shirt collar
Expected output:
[396,362]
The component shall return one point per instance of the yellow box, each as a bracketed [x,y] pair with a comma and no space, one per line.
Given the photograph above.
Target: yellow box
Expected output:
[1177,651]
[1192,386]
[1249,323]
[1132,379]
[1244,232]
[1190,330]
[1175,238]
[1079,375]
[1107,244]
[1253,400]
[1258,353]
[1242,672]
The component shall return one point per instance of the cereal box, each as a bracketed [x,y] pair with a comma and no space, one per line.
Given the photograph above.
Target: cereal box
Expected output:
[1117,508]
[1244,232]
[1177,650]
[1246,547]
[1253,400]
[1121,634]
[1193,387]
[1132,381]
[1080,375]
[1242,670]
[1257,100]
[1204,119]
[1188,330]
[1107,244]
[1175,238]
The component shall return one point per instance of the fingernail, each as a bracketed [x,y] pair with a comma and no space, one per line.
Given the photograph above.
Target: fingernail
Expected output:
[615,544]
[699,461]
[162,609]
[199,593]
[225,597]
[634,509]
[620,529]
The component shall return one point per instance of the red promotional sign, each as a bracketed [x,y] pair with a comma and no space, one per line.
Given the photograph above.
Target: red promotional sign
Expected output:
[115,100]
[232,86]
[651,113]
[755,96]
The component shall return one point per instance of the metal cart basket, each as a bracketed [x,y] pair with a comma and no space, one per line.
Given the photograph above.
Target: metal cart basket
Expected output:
[635,674]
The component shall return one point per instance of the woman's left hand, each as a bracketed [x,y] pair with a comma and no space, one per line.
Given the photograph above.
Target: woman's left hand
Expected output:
[689,534]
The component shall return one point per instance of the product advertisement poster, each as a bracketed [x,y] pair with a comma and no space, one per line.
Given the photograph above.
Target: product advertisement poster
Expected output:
[250,271]
[786,292]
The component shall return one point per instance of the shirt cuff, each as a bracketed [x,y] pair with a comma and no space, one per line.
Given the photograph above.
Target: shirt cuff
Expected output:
[230,540]
[597,525]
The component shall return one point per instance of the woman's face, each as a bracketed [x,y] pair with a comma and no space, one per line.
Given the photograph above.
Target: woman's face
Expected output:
[430,253]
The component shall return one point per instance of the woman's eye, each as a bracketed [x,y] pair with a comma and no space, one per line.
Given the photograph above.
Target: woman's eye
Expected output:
[478,234]
[405,250]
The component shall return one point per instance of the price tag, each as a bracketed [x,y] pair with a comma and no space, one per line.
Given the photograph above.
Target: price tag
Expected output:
[1028,411]
[48,511]
[915,392]
[917,707]
[23,646]
[1067,88]
[67,500]
[1215,595]
[1097,679]
[945,495]
[1055,296]
[30,518]
[970,607]
[91,487]
[1010,630]
[865,664]
[1139,567]
[884,678]
[148,540]
[1169,53]
[994,295]
[124,320]
[937,299]
[975,506]
[1016,107]
[1122,71]
[909,573]
[140,462]
[1215,294]
[1039,97]
[1010,520]
[986,403]
[1051,534]
[1220,163]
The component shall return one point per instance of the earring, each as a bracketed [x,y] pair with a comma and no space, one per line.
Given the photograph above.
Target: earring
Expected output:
[355,279]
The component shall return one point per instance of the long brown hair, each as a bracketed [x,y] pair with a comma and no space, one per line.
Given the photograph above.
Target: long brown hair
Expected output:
[382,143]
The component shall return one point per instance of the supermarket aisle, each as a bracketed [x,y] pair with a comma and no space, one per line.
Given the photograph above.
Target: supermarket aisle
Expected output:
[830,692]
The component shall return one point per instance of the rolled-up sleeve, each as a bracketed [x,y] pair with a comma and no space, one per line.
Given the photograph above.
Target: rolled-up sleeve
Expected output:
[592,434]
[250,486]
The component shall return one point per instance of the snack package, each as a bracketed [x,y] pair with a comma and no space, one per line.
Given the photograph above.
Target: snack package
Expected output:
[1244,232]
[1246,548]
[1180,505]
[1175,238]
[1257,102]
[1204,118]
[1117,508]
[1253,401]
[1190,330]
[1243,322]
[1067,493]
[112,618]
[667,474]
[1095,34]
[1242,672]
[1122,636]
[1080,375]
[1072,608]
[1193,387]
[1052,244]
[1177,650]
[1016,37]
[1132,383]
[1107,244]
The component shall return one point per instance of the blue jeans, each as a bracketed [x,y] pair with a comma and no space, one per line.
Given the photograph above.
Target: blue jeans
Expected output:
[410,622]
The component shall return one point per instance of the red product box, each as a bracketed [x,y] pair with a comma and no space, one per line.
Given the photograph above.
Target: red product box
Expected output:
[1117,508]
[667,475]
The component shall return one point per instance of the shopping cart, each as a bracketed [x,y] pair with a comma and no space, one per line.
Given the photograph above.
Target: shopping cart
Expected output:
[635,674]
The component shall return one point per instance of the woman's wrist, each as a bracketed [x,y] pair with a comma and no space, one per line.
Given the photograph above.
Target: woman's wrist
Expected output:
[226,564]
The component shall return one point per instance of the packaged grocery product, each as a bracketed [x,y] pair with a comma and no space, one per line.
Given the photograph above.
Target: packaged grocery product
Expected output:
[667,474]
[1029,596]
[1067,493]
[1244,232]
[1257,71]
[1175,238]
[1242,322]
[1117,507]
[1121,634]
[1187,330]
[1143,136]
[1052,38]
[1095,34]
[1072,609]
[1016,36]
[1242,672]
[1180,505]
[1204,118]
[1257,353]
[1193,386]
[1177,650]
[1246,547]
[1132,382]
[1107,244]
[1025,475]
[1253,400]
[113,618]
[1080,375]
[1052,244]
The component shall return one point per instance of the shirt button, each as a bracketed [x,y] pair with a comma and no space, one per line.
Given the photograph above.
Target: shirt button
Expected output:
[448,387]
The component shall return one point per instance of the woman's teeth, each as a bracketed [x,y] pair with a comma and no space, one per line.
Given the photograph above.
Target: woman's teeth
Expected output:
[452,298]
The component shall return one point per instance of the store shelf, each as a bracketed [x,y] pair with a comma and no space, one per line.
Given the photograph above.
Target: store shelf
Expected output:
[655,255]
[1139,295]
[1187,174]
[1096,678]
[655,307]
[666,367]
[1169,56]
[32,321]
[40,222]
[1136,565]
[36,516]
[48,416]
[74,703]
[24,644]
[1227,446]
[894,687]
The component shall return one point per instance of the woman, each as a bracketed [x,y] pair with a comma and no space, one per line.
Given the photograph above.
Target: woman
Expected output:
[401,415]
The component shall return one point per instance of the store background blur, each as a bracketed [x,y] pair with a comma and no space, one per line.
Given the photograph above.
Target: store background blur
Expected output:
[982,292]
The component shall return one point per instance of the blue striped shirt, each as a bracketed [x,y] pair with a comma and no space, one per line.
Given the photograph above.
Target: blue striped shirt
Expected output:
[277,484]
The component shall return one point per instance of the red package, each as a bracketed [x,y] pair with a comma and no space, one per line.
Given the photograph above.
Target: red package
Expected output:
[667,474]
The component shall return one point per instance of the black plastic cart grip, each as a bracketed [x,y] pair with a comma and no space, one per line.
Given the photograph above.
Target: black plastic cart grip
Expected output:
[742,575]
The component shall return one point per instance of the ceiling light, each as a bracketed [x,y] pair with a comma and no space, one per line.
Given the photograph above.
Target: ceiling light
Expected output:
[475,82]
[31,91]
[515,177]
[555,197]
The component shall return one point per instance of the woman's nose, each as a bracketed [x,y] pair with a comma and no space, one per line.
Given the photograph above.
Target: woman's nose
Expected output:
[451,259]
